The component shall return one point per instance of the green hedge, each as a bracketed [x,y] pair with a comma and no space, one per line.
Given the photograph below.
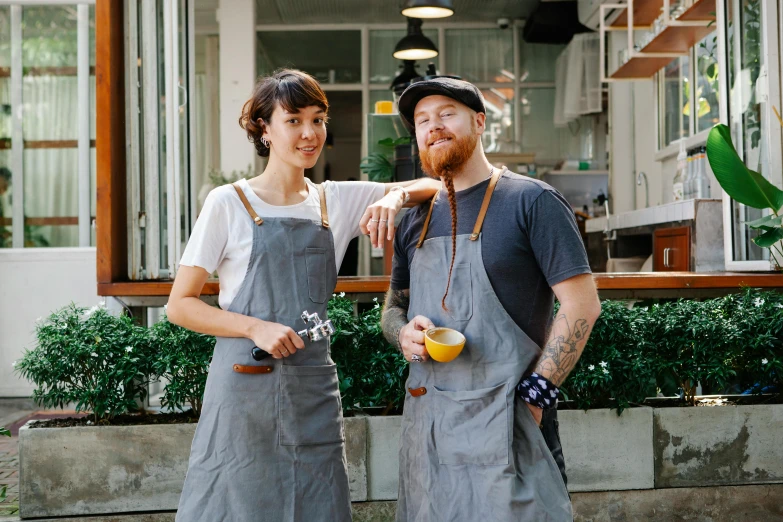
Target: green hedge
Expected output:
[729,344]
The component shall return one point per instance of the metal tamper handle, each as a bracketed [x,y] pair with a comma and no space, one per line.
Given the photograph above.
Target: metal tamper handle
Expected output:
[320,330]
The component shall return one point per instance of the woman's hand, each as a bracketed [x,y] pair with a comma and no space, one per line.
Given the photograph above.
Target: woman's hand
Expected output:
[276,339]
[378,219]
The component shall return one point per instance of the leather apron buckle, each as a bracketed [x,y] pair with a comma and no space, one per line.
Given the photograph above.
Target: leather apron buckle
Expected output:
[241,368]
[417,392]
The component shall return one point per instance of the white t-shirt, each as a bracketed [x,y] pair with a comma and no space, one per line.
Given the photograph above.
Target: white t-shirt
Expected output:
[223,235]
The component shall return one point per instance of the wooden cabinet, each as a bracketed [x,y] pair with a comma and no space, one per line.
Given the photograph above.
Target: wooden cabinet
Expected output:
[672,249]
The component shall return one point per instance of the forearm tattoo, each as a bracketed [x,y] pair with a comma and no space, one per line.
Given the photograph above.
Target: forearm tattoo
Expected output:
[395,315]
[563,349]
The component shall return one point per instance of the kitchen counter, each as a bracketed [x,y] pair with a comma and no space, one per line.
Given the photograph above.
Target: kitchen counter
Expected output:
[668,213]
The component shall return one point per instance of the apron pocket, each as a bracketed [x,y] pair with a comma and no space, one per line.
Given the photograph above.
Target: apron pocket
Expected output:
[310,408]
[471,427]
[460,298]
[315,259]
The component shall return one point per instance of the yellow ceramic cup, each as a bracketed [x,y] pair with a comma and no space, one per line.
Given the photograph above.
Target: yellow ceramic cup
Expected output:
[443,344]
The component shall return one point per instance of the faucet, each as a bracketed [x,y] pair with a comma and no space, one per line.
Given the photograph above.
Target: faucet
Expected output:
[646,187]
[609,234]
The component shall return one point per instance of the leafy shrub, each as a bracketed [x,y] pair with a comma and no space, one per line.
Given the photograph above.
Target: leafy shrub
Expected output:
[89,357]
[758,317]
[612,366]
[182,357]
[372,372]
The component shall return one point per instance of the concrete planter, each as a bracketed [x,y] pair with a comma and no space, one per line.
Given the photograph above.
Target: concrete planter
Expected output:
[127,469]
[102,469]
[724,445]
[607,452]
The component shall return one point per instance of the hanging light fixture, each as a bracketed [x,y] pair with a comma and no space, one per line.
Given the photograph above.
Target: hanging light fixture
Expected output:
[414,45]
[427,8]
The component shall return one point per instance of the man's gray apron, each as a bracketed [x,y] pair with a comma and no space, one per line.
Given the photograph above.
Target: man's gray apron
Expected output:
[469,451]
[269,445]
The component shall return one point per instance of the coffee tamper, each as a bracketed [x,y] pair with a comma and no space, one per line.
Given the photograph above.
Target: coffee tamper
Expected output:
[319,331]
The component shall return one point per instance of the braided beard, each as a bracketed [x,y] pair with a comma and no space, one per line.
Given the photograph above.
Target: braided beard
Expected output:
[442,163]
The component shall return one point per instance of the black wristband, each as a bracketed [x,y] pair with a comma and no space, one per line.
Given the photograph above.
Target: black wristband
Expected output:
[538,391]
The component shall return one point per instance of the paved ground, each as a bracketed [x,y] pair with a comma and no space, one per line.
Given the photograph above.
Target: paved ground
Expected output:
[12,412]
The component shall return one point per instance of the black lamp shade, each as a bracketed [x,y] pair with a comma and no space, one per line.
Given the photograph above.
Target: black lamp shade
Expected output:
[414,45]
[428,8]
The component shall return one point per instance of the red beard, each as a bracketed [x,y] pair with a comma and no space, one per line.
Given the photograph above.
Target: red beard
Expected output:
[444,160]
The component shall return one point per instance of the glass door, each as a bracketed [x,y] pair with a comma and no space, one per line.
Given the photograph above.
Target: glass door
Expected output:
[752,53]
[160,76]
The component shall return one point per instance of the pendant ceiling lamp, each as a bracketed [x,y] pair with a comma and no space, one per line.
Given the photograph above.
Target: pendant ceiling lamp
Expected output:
[427,8]
[415,46]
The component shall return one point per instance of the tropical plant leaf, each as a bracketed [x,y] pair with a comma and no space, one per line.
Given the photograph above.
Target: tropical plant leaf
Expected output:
[769,237]
[742,184]
[768,221]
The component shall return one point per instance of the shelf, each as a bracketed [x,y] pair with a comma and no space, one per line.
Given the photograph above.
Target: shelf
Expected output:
[677,39]
[646,11]
[644,14]
[576,172]
[701,11]
[640,68]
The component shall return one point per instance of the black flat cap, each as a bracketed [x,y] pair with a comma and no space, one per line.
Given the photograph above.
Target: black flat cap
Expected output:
[460,90]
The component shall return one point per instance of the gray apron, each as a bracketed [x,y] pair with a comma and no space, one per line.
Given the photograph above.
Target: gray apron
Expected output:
[269,445]
[469,451]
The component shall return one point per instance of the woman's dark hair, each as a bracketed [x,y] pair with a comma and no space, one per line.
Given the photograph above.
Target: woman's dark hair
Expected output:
[290,89]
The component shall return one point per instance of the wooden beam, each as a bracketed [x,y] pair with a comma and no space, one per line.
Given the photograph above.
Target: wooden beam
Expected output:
[672,281]
[110,223]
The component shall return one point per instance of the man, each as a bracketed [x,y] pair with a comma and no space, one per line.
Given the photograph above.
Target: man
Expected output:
[487,258]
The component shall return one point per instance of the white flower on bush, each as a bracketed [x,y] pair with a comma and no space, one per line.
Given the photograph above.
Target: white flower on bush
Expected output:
[591,367]
[91,311]
[758,302]
[93,354]
[603,364]
[606,371]
[376,306]
[129,349]
[764,361]
[342,294]
[375,299]
[13,364]
[779,305]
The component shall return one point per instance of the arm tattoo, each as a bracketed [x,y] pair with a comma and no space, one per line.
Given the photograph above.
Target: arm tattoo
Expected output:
[563,349]
[395,315]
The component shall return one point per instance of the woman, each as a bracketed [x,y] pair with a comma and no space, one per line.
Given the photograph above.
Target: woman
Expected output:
[270,443]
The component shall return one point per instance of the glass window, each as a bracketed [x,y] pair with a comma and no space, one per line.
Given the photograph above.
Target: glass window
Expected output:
[537,61]
[707,83]
[5,129]
[480,55]
[383,66]
[50,115]
[330,56]
[499,134]
[745,109]
[674,99]
[539,135]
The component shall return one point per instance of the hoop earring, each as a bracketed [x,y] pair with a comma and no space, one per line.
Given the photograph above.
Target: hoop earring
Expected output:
[265,142]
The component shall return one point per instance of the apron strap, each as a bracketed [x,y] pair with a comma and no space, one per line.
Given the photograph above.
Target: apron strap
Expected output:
[485,204]
[426,223]
[324,212]
[256,218]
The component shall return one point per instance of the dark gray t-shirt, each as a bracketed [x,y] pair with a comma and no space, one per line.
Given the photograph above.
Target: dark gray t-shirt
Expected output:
[529,243]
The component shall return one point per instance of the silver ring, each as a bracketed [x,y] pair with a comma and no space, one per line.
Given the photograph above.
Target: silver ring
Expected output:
[383,220]
[416,358]
[374,221]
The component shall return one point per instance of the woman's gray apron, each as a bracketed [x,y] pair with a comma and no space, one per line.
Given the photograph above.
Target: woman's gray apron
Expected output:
[269,445]
[469,451]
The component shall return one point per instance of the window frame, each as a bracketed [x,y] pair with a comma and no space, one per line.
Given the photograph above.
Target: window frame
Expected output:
[83,142]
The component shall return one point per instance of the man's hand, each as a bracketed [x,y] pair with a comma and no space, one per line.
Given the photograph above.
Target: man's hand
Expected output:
[537,413]
[412,338]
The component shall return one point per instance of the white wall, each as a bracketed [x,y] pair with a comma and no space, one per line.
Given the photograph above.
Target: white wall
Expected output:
[33,283]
